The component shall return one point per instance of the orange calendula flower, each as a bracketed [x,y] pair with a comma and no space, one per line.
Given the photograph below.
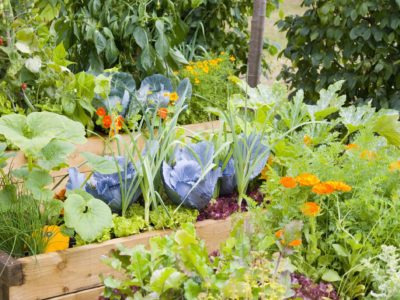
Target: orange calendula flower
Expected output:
[307,140]
[340,186]
[351,146]
[101,112]
[55,239]
[323,188]
[288,182]
[367,154]
[173,97]
[394,166]
[119,122]
[307,179]
[295,243]
[310,209]
[163,113]
[107,121]
[279,233]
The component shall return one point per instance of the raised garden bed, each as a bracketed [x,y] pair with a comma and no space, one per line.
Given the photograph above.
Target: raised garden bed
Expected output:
[74,273]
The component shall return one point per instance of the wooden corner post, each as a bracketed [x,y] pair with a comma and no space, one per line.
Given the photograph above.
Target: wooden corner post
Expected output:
[256,42]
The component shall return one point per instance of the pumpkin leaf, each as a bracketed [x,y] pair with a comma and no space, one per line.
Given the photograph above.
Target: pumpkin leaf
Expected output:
[86,214]
[388,126]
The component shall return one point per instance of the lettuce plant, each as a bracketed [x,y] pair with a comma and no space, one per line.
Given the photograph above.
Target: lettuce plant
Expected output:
[191,180]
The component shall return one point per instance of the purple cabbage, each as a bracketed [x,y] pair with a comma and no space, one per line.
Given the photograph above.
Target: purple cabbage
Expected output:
[182,180]
[107,187]
[228,178]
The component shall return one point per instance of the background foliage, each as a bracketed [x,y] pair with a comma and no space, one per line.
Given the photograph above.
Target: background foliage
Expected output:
[356,41]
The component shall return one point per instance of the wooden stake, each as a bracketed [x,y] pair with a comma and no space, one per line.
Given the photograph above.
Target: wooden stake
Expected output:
[256,42]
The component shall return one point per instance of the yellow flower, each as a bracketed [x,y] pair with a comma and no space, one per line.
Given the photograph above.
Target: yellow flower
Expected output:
[394,166]
[222,53]
[189,68]
[206,69]
[196,81]
[173,97]
[307,140]
[166,95]
[232,58]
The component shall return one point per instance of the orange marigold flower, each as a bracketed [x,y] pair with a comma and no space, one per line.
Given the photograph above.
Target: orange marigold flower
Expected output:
[119,122]
[295,243]
[279,233]
[394,166]
[340,186]
[307,140]
[101,112]
[310,209]
[107,121]
[323,188]
[351,146]
[307,179]
[163,113]
[288,182]
[367,154]
[173,97]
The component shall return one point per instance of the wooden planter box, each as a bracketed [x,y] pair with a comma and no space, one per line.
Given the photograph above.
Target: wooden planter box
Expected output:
[74,273]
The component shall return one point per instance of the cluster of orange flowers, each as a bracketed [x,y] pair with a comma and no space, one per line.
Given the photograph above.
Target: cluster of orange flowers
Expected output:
[365,154]
[394,166]
[318,187]
[107,120]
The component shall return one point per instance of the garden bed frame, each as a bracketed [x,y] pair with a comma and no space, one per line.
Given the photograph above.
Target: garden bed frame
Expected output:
[73,274]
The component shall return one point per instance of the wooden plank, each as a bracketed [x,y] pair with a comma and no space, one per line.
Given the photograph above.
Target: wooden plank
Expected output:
[10,270]
[72,270]
[91,294]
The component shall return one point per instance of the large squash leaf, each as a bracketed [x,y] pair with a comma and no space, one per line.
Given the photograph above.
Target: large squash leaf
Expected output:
[34,132]
[87,215]
[387,125]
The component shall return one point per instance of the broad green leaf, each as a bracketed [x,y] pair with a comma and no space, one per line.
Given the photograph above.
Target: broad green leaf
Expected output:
[328,103]
[37,182]
[192,290]
[355,118]
[140,36]
[87,215]
[165,279]
[331,276]
[59,56]
[55,154]
[147,58]
[112,52]
[388,126]
[8,196]
[100,163]
[100,41]
[34,132]
[102,85]
[139,266]
[340,250]
[196,3]
[162,44]
[33,64]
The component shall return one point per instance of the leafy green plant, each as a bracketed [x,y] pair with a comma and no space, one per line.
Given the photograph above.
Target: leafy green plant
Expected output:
[338,40]
[211,86]
[178,266]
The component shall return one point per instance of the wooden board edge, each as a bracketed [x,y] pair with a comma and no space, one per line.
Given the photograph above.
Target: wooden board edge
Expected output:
[10,270]
[88,294]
